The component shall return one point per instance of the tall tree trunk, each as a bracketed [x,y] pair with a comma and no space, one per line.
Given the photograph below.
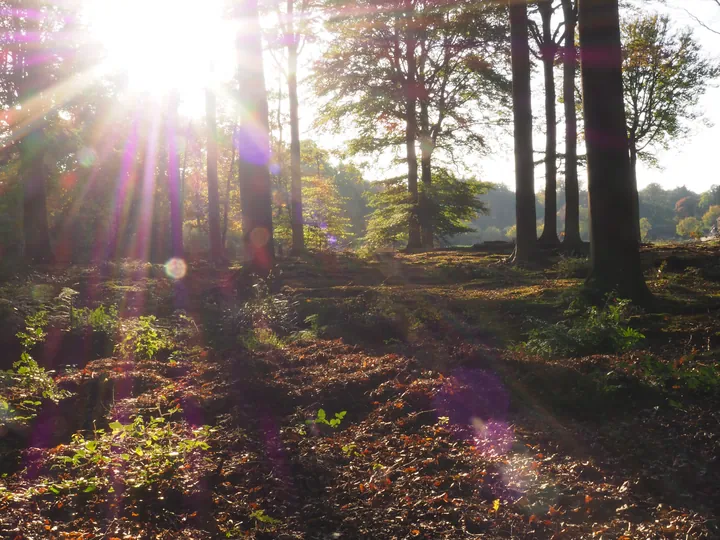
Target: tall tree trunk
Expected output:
[296,206]
[414,238]
[173,173]
[426,150]
[572,189]
[35,174]
[522,116]
[636,195]
[228,188]
[549,236]
[216,248]
[615,259]
[254,145]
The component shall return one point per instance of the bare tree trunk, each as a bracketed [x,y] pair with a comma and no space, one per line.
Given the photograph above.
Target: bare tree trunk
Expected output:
[414,239]
[636,195]
[216,248]
[522,116]
[254,145]
[572,190]
[298,233]
[549,236]
[176,220]
[228,188]
[615,259]
[426,149]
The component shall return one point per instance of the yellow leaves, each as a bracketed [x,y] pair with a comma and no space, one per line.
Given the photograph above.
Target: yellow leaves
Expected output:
[496,505]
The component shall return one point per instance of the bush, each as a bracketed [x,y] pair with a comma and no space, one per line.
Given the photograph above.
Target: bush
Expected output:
[586,331]
[573,267]
[145,340]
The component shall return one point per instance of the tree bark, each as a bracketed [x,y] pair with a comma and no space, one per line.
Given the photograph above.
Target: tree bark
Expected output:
[176,219]
[228,188]
[572,190]
[636,196]
[254,145]
[615,259]
[522,116]
[424,203]
[216,247]
[549,236]
[296,205]
[414,238]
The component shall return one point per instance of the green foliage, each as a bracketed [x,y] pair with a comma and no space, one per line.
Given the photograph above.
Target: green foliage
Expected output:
[27,383]
[645,228]
[587,330]
[261,338]
[664,75]
[144,339]
[137,455]
[451,204]
[573,267]
[690,227]
[710,218]
[322,419]
[686,373]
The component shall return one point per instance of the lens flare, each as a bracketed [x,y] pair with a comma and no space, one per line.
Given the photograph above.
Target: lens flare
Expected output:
[176,268]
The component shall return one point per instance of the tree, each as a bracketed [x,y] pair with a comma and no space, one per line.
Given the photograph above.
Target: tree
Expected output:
[455,203]
[548,46]
[522,116]
[216,241]
[645,228]
[690,227]
[664,75]
[711,217]
[173,174]
[421,67]
[572,191]
[615,259]
[254,144]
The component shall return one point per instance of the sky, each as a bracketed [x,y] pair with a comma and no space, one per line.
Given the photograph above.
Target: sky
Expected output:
[690,162]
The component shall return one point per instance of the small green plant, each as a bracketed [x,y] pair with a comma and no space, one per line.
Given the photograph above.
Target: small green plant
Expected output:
[350,450]
[323,419]
[587,330]
[138,454]
[262,338]
[262,518]
[27,383]
[144,339]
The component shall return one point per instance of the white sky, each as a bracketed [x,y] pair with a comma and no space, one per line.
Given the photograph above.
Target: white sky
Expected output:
[690,162]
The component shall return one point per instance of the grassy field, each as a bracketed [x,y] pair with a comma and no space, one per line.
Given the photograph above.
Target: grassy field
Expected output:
[431,395]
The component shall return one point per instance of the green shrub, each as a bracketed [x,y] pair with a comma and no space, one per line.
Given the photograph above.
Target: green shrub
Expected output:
[24,386]
[144,339]
[588,330]
[573,267]
[137,455]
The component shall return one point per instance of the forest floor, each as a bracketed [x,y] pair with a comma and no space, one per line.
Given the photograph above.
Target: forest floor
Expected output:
[383,399]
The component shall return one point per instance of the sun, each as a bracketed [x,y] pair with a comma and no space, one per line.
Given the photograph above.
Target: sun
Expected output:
[164,46]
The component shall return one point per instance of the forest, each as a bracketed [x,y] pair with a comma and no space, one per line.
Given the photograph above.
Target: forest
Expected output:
[262,277]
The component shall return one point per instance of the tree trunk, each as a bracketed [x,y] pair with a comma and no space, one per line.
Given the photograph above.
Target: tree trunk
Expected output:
[298,234]
[424,204]
[176,219]
[228,189]
[615,259]
[254,145]
[636,196]
[34,175]
[414,238]
[572,189]
[216,249]
[549,236]
[522,116]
